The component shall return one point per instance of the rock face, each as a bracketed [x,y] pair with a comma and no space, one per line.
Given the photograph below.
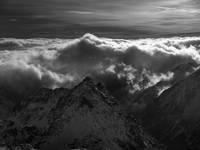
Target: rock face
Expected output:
[84,117]
[6,104]
[170,111]
[176,119]
[180,106]
[145,102]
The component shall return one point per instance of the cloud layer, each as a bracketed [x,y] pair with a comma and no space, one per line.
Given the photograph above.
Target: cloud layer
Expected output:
[124,66]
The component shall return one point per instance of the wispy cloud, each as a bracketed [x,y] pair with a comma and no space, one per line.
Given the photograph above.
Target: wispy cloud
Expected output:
[81,12]
[150,14]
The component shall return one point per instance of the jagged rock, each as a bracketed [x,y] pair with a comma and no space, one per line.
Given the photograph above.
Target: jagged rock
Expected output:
[83,117]
[176,119]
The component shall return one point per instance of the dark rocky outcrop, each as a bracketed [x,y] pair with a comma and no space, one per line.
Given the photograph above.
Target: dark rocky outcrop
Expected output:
[83,117]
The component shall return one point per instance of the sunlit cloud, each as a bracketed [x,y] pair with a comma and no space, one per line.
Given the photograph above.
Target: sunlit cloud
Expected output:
[133,65]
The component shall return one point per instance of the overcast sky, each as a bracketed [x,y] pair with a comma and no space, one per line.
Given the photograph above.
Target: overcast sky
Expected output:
[161,16]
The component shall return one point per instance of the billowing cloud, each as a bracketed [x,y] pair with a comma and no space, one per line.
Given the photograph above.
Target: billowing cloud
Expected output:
[22,78]
[124,66]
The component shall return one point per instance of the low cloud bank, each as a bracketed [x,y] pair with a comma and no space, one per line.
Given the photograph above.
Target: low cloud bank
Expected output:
[124,66]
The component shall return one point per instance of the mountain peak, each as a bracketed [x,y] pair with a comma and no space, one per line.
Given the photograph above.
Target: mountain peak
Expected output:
[85,117]
[86,83]
[92,90]
[88,80]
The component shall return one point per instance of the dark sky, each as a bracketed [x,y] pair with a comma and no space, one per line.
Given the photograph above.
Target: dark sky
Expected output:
[62,17]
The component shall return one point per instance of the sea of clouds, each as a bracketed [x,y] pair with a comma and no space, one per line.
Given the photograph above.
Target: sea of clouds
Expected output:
[124,66]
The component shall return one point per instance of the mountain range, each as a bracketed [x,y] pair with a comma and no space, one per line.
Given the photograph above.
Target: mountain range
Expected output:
[88,117]
[85,117]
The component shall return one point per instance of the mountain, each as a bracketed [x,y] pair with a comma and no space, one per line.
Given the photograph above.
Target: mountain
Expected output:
[183,70]
[85,117]
[175,119]
[6,103]
[144,102]
[169,110]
